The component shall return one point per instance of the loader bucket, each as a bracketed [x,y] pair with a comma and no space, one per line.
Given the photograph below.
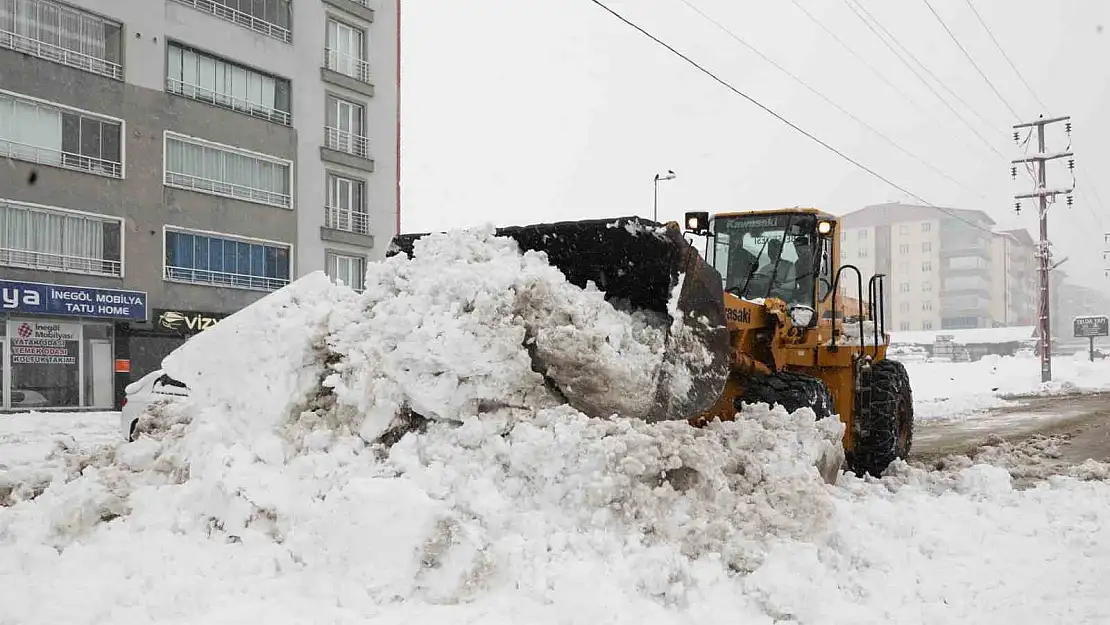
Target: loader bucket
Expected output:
[637,263]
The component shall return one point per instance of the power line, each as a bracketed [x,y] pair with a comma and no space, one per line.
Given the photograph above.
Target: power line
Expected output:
[918,75]
[868,64]
[970,60]
[817,93]
[1082,189]
[858,4]
[792,125]
[1005,56]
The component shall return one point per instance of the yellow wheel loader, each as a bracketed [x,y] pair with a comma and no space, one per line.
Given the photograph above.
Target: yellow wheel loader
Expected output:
[765,313]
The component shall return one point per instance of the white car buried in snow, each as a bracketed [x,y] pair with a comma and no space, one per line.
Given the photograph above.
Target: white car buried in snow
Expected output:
[156,387]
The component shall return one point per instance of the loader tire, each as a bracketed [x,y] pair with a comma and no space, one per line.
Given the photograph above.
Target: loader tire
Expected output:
[887,433]
[789,389]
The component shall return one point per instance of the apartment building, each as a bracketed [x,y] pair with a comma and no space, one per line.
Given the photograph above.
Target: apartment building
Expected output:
[1014,278]
[938,263]
[168,162]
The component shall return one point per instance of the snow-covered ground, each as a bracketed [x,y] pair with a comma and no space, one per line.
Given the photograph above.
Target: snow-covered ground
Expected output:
[958,390]
[303,491]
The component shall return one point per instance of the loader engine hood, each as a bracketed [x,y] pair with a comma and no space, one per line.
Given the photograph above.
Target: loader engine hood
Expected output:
[638,264]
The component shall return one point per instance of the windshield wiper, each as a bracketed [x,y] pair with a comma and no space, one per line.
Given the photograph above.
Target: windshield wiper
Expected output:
[775,268]
[751,271]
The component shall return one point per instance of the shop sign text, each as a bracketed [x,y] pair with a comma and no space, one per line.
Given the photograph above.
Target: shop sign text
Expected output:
[185,321]
[72,301]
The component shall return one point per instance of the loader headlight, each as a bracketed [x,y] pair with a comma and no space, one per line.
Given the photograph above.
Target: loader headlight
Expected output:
[697,222]
[802,316]
[824,227]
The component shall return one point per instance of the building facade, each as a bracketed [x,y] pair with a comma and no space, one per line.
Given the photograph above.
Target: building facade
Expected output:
[946,269]
[1014,287]
[168,162]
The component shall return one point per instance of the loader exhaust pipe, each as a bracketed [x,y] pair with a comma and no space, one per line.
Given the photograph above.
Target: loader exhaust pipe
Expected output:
[638,263]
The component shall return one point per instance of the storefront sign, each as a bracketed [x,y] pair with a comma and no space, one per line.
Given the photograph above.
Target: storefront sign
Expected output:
[35,298]
[184,321]
[45,343]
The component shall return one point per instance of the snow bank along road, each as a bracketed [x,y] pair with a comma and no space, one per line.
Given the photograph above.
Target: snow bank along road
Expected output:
[305,492]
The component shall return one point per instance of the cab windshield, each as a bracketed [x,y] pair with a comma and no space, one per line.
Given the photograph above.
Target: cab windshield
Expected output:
[767,255]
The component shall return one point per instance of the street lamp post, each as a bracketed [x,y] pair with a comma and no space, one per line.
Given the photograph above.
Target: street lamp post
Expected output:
[655,206]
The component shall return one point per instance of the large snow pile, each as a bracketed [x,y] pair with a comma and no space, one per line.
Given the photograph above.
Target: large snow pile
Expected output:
[954,390]
[298,485]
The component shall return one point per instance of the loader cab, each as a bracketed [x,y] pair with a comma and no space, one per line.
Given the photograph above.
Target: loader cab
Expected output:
[785,254]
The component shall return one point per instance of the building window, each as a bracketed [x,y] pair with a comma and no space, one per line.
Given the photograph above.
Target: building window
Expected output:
[210,79]
[38,132]
[905,287]
[57,363]
[927,246]
[863,252]
[926,286]
[926,325]
[927,266]
[903,229]
[346,51]
[223,170]
[904,307]
[905,325]
[926,226]
[346,208]
[269,17]
[54,239]
[904,249]
[862,233]
[344,130]
[348,270]
[903,268]
[926,305]
[63,34]
[225,261]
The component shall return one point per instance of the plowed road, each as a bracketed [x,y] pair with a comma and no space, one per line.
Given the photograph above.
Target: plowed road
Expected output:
[1084,420]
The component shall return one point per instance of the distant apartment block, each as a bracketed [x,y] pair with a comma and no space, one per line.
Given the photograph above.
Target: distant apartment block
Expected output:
[946,269]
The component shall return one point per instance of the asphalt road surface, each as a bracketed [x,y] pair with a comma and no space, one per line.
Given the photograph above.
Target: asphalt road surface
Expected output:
[1083,421]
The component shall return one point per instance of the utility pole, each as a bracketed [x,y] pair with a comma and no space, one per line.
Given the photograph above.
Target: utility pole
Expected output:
[1042,194]
[1106,255]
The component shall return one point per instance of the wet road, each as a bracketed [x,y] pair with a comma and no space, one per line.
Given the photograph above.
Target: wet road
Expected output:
[1082,420]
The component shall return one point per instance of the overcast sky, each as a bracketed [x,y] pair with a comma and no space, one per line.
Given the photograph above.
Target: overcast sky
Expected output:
[519,111]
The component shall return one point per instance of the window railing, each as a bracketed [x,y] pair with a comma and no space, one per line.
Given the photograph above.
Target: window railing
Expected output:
[223,278]
[254,109]
[228,189]
[45,261]
[348,65]
[58,54]
[365,3]
[346,219]
[243,19]
[59,158]
[346,141]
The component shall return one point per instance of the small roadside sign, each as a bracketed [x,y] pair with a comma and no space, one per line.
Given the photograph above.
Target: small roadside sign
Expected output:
[1090,327]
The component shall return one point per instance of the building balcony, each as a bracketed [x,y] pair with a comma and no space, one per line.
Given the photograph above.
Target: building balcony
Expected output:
[68,263]
[59,158]
[346,148]
[223,100]
[346,220]
[208,277]
[226,189]
[58,54]
[242,18]
[348,65]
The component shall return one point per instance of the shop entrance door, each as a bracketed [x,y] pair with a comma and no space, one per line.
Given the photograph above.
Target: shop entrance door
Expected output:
[103,383]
